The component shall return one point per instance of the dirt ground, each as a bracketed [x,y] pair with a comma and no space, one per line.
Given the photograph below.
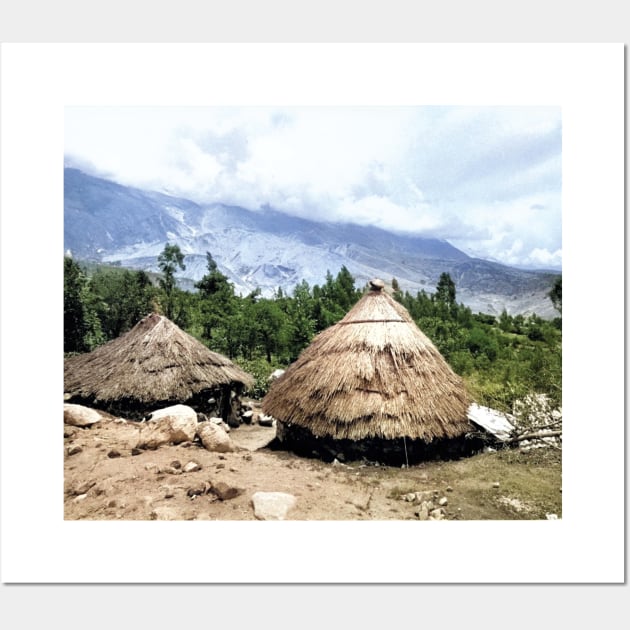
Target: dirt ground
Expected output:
[107,478]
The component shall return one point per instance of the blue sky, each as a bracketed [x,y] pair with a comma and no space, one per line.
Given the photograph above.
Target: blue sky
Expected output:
[487,179]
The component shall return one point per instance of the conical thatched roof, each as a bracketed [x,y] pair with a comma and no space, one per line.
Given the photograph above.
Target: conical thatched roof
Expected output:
[155,362]
[374,374]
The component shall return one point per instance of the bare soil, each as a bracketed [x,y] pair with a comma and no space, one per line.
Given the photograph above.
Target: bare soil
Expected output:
[107,478]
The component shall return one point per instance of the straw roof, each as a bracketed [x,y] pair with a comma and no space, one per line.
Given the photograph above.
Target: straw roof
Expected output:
[374,374]
[155,361]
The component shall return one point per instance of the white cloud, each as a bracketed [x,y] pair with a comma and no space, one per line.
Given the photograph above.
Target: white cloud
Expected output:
[488,179]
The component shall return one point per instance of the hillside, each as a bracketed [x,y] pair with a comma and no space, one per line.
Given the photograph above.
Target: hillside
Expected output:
[107,222]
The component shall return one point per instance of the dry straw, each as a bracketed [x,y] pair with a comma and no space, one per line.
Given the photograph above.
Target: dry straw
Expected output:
[154,362]
[374,374]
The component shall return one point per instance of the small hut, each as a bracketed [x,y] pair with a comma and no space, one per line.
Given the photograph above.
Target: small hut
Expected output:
[156,364]
[374,386]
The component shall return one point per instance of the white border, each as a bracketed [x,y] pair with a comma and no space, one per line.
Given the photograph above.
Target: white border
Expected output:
[586,80]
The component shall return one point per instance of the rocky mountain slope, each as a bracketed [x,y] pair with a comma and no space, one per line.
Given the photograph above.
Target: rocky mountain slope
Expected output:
[107,222]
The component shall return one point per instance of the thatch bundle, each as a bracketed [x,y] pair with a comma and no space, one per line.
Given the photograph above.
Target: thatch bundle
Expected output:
[155,364]
[374,374]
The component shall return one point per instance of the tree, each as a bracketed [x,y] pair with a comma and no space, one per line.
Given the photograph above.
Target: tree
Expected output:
[556,294]
[445,290]
[217,300]
[168,261]
[81,326]
[122,298]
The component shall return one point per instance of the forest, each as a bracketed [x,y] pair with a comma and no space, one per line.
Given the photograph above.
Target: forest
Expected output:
[501,359]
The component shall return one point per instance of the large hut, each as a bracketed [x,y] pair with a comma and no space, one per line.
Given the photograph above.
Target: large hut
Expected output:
[154,365]
[374,386]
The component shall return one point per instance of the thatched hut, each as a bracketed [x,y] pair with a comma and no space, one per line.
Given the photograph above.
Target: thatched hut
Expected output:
[372,385]
[155,364]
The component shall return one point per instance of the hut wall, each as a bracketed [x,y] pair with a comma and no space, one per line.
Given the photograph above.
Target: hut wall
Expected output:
[391,452]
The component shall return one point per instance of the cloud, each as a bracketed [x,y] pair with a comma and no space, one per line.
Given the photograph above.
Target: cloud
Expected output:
[487,178]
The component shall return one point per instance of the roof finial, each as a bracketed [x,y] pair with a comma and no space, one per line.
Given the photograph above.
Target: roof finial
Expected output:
[376,284]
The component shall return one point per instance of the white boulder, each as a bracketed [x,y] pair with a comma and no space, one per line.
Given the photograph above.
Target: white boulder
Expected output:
[80,416]
[170,425]
[272,506]
[214,438]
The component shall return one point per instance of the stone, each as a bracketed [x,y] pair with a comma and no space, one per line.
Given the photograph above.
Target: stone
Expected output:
[422,496]
[219,422]
[171,425]
[113,454]
[214,438]
[552,517]
[80,416]
[79,498]
[169,470]
[272,506]
[443,501]
[496,484]
[423,512]
[151,467]
[225,491]
[164,513]
[136,451]
[437,514]
[176,464]
[276,374]
[247,416]
[73,450]
[191,467]
[84,487]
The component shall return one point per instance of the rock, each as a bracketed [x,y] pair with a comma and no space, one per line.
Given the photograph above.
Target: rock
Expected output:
[422,496]
[423,512]
[164,513]
[171,425]
[496,484]
[84,488]
[410,496]
[80,416]
[191,467]
[196,492]
[449,489]
[219,422]
[73,450]
[247,416]
[276,374]
[79,498]
[169,470]
[113,454]
[443,501]
[214,438]
[552,517]
[272,506]
[152,467]
[437,514]
[265,421]
[176,464]
[225,491]
[136,451]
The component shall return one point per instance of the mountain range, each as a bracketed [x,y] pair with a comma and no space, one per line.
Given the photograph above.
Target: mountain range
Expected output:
[110,223]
